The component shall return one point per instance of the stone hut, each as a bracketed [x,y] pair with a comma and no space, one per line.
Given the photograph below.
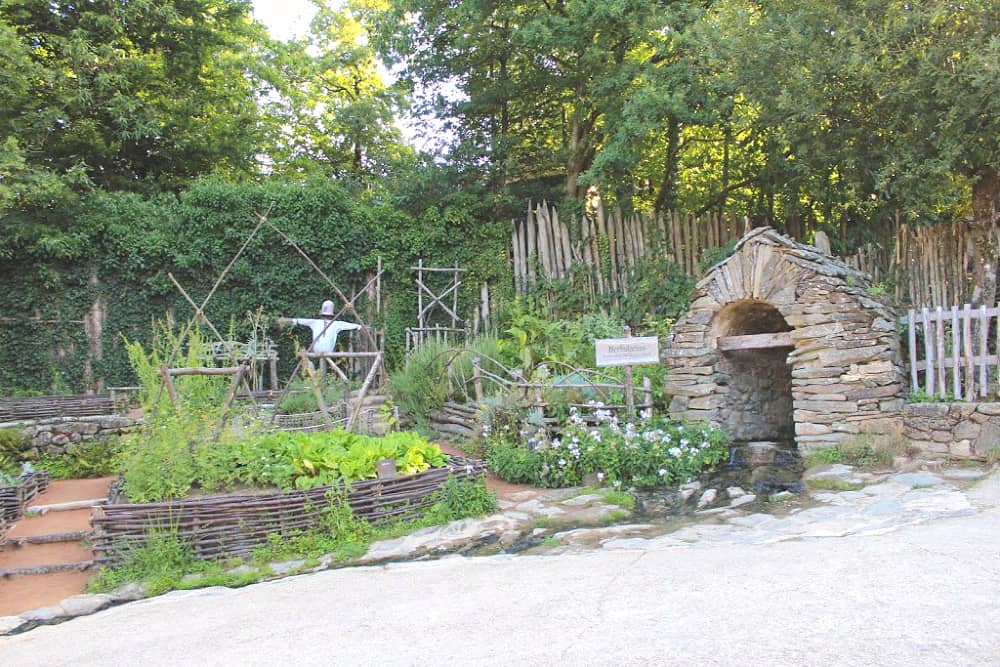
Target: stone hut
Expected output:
[783,343]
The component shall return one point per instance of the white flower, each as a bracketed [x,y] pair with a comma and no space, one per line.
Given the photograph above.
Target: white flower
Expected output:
[557,443]
[675,451]
[562,463]
[600,476]
[662,471]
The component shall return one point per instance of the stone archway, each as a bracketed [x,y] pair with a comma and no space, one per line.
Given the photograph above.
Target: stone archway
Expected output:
[779,328]
[758,379]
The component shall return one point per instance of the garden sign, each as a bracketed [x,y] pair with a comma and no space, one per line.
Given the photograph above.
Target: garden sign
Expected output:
[627,351]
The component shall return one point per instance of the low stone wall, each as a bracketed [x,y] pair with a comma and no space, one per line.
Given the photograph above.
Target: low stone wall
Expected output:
[952,430]
[52,436]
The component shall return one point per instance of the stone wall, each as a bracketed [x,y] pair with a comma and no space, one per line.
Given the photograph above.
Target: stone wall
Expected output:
[763,382]
[952,430]
[53,436]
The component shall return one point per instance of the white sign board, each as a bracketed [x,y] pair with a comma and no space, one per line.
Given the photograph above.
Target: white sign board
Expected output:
[627,351]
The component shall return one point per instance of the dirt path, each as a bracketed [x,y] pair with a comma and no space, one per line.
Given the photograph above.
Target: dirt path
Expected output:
[23,592]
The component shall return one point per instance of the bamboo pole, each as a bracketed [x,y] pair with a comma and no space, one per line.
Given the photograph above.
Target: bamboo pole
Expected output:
[912,338]
[531,245]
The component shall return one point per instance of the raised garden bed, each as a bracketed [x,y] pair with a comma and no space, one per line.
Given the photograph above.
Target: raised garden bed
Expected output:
[13,499]
[234,525]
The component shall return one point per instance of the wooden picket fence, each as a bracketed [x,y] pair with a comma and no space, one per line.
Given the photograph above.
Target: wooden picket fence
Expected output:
[949,351]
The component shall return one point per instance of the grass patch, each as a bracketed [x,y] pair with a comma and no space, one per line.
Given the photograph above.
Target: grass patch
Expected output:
[993,455]
[615,516]
[620,498]
[543,521]
[862,455]
[833,484]
[551,542]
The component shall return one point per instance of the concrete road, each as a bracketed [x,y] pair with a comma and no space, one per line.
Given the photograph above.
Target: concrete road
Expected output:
[924,595]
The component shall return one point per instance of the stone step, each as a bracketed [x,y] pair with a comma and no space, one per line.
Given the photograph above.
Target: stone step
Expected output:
[34,555]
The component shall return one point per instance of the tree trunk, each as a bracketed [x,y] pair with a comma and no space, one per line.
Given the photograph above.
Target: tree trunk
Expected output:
[985,220]
[666,199]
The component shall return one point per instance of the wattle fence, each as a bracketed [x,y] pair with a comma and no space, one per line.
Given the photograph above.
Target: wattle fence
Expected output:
[952,352]
[600,253]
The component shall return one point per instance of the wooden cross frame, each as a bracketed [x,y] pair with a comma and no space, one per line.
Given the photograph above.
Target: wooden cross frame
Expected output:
[238,373]
[416,336]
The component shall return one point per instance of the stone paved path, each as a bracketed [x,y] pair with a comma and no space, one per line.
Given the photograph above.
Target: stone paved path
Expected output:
[924,594]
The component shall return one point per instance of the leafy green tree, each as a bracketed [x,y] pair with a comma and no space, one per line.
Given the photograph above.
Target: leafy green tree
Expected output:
[332,111]
[868,108]
[132,93]
[530,89]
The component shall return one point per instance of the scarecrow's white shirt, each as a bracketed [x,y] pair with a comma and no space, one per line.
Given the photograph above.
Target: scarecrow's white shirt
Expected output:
[325,332]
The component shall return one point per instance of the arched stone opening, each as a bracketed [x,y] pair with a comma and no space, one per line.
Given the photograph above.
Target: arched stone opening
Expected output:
[753,347]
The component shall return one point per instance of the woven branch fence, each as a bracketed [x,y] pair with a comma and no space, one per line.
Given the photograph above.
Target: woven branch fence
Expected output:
[13,499]
[42,407]
[609,246]
[235,525]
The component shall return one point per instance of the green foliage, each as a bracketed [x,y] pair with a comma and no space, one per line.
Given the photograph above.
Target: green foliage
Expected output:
[645,453]
[13,445]
[460,499]
[159,460]
[862,454]
[174,455]
[620,498]
[712,256]
[159,562]
[94,458]
[922,396]
[195,393]
[421,385]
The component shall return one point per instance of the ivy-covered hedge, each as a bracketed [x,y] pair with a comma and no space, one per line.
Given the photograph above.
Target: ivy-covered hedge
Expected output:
[118,248]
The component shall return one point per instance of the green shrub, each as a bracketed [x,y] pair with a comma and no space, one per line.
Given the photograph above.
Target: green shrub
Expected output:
[422,384]
[160,563]
[13,445]
[461,498]
[94,458]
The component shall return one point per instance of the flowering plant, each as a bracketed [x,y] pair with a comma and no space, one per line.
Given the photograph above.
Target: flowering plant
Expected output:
[645,452]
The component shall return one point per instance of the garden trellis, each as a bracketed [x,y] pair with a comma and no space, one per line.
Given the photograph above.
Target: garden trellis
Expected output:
[347,307]
[950,351]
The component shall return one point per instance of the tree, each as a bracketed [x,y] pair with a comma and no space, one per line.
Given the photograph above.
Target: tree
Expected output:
[132,93]
[331,110]
[529,88]
[875,106]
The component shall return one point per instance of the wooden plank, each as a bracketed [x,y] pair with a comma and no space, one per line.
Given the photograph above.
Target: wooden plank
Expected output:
[928,353]
[912,339]
[755,341]
[967,349]
[939,339]
[997,375]
[984,332]
[956,373]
